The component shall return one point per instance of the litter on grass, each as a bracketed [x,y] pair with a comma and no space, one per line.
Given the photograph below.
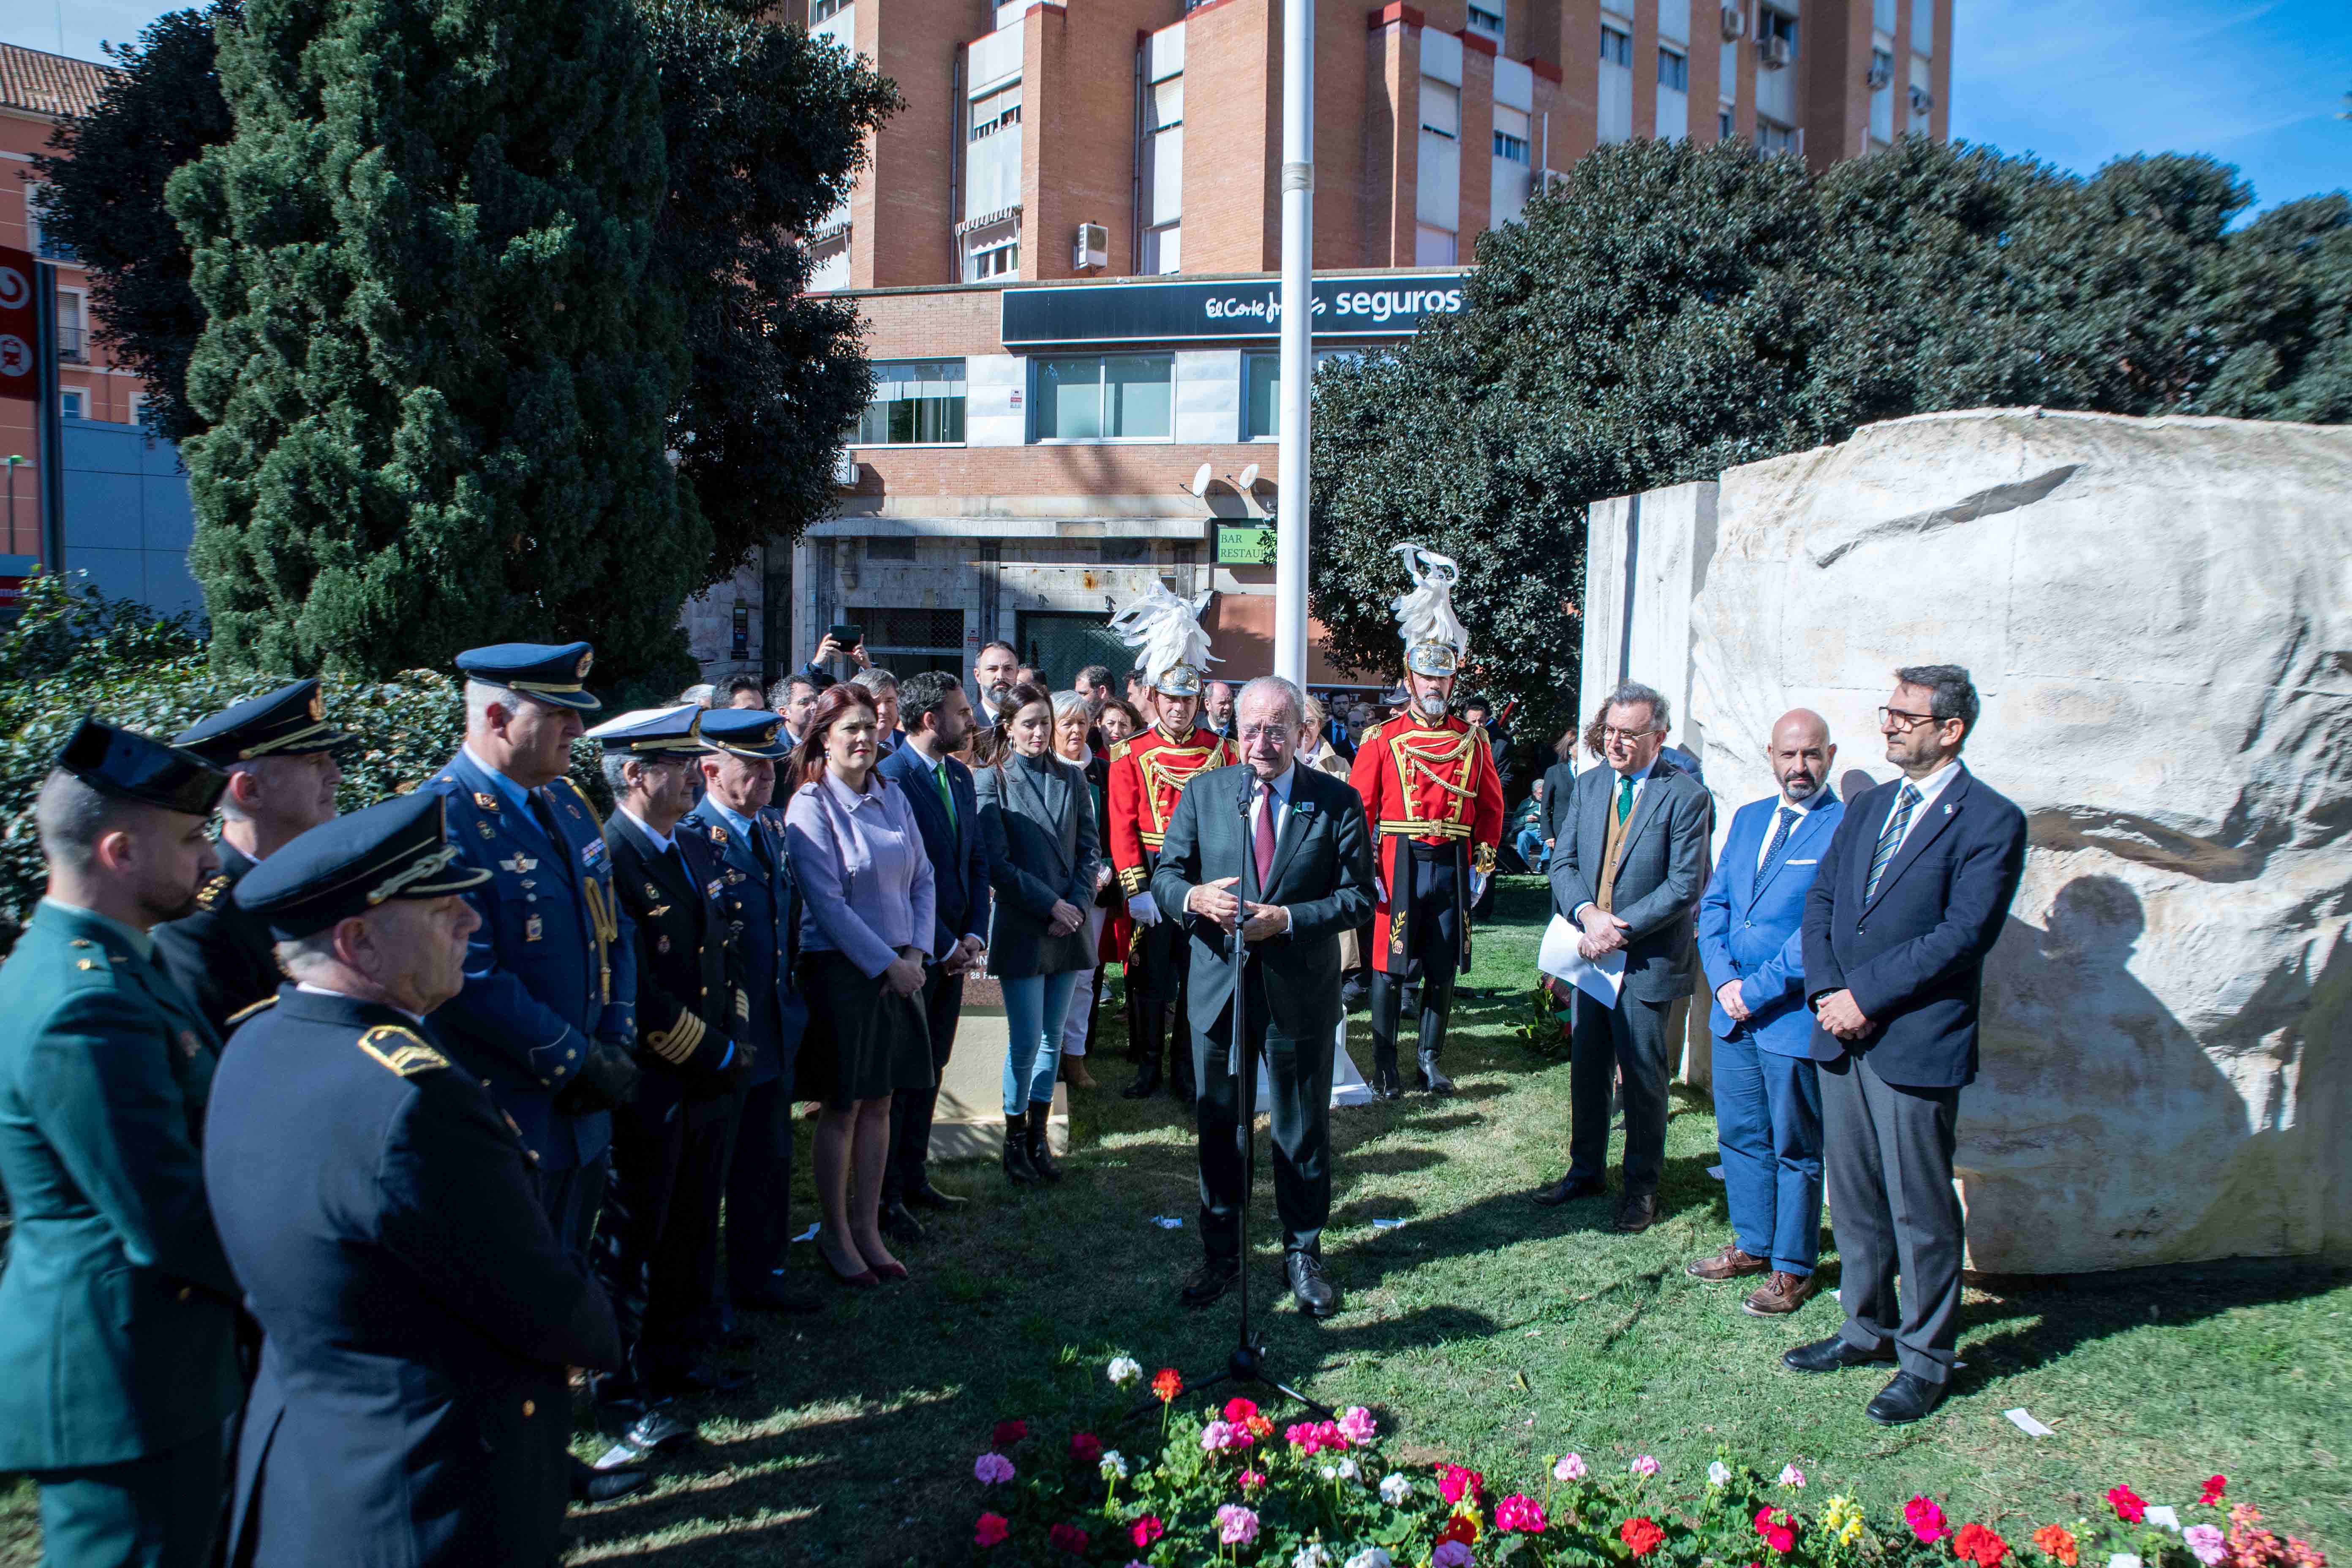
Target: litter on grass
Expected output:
[808,1234]
[1167,1222]
[1716,1171]
[1386,1224]
[2026,1424]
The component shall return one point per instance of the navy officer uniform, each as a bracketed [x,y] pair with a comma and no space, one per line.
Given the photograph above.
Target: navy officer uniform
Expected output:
[657,1241]
[761,901]
[220,956]
[412,1404]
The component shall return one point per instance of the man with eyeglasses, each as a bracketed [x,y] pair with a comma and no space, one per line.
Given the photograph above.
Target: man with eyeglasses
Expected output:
[1914,890]
[1626,870]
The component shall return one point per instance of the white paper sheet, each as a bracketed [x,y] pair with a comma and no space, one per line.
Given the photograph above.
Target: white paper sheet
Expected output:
[1559,958]
[2026,1424]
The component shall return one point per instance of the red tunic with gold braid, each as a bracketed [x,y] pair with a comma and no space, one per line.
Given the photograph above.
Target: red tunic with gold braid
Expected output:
[1434,784]
[1148,774]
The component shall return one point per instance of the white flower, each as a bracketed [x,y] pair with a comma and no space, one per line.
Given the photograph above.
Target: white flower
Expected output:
[1792,1477]
[1124,1370]
[1330,1472]
[1348,1469]
[1114,1466]
[1371,1557]
[1311,1555]
[1395,1489]
[1717,1473]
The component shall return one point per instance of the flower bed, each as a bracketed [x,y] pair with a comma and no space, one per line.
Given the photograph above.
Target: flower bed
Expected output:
[1234,1488]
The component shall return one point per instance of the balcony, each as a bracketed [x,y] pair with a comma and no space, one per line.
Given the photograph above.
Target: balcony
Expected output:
[70,345]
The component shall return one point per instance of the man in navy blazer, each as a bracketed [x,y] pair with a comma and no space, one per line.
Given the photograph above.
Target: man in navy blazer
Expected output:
[937,718]
[1768,1093]
[1909,900]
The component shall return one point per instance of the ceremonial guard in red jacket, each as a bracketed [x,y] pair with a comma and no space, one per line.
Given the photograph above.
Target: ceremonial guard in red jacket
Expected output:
[1434,806]
[1147,775]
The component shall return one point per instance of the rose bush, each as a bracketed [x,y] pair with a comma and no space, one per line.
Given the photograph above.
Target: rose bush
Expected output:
[1225,1489]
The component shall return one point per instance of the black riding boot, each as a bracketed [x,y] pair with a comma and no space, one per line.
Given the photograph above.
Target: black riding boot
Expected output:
[1145,1017]
[1385,1005]
[1041,1155]
[1016,1150]
[1436,1008]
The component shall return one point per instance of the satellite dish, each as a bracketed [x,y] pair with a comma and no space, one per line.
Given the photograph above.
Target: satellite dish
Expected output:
[1201,478]
[1248,481]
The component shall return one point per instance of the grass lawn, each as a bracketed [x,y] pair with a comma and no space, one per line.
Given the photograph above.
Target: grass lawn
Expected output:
[1484,1329]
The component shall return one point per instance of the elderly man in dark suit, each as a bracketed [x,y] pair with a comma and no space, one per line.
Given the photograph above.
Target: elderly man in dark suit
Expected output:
[1627,870]
[1910,897]
[1296,839]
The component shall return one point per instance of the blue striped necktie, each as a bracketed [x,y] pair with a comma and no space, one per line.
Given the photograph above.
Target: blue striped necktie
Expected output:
[1905,801]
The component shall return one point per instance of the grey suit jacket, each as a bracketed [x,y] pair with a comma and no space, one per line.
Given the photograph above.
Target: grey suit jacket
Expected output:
[1043,844]
[1322,874]
[1661,871]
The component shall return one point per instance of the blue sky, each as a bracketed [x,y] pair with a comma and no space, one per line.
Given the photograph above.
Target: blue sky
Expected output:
[2254,82]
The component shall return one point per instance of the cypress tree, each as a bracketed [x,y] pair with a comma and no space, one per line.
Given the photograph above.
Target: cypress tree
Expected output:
[437,361]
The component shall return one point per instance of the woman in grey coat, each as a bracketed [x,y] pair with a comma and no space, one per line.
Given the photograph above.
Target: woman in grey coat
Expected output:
[1044,846]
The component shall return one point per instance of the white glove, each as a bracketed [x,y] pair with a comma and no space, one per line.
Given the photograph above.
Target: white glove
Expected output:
[1143,909]
[1477,886]
[1379,890]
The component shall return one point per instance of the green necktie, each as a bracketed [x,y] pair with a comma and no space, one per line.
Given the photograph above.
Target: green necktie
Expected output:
[1624,800]
[947,795]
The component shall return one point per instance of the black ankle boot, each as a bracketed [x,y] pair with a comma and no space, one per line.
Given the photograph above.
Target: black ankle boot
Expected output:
[1385,1004]
[1436,1011]
[1144,1017]
[1041,1156]
[1016,1151]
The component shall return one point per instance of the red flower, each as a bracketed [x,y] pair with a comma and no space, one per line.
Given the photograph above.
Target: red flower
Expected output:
[1252,1479]
[1453,1483]
[1778,1529]
[1086,1448]
[1240,1411]
[990,1530]
[2212,1496]
[1167,1383]
[1925,1519]
[1068,1538]
[2058,1543]
[1146,1531]
[1640,1535]
[1008,1433]
[1979,1546]
[1461,1527]
[2129,1506]
[1259,1426]
[1520,1513]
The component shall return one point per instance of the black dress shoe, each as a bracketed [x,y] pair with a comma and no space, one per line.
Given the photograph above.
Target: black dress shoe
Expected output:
[1146,1084]
[1317,1297]
[1904,1400]
[899,1224]
[1208,1282]
[641,1430]
[1833,1353]
[1567,1190]
[1638,1214]
[607,1486]
[706,1377]
[778,1294]
[927,1196]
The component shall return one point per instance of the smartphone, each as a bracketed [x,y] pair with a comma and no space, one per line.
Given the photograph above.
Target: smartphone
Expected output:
[848,636]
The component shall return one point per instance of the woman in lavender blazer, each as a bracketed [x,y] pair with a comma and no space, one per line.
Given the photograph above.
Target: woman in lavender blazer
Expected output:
[866,886]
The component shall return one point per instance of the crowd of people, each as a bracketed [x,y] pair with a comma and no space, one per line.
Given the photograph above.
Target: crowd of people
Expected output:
[334,1147]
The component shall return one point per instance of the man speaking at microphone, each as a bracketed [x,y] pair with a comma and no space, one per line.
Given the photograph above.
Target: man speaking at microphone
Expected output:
[1282,852]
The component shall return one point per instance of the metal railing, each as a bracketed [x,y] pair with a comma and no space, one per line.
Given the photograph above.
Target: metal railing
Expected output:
[70,345]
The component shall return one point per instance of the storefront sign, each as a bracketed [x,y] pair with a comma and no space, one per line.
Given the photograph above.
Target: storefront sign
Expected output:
[1245,544]
[1377,305]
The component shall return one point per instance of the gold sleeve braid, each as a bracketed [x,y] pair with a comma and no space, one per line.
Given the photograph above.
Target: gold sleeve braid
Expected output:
[1132,880]
[676,1043]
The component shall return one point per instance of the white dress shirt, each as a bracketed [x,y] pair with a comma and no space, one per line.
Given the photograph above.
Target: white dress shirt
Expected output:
[1639,780]
[1803,808]
[1931,787]
[661,841]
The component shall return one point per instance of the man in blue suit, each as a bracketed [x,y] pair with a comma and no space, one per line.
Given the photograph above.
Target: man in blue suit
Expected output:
[1911,896]
[1768,1093]
[937,718]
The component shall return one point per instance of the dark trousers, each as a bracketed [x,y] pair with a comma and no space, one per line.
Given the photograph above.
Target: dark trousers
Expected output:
[912,1109]
[572,1199]
[1431,909]
[657,1244]
[1889,1152]
[160,1511]
[1767,1127]
[1632,1035]
[1162,952]
[759,1189]
[1300,1072]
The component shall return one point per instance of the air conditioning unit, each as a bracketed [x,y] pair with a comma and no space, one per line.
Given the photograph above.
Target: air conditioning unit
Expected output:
[844,469]
[1734,23]
[1091,247]
[1922,101]
[1772,53]
[1878,76]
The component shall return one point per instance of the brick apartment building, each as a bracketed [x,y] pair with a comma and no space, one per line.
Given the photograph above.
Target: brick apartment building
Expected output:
[1064,250]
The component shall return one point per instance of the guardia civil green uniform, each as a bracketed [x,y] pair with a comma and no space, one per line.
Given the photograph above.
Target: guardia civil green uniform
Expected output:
[118,1357]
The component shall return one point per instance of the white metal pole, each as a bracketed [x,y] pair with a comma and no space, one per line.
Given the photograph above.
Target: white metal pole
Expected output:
[1298,322]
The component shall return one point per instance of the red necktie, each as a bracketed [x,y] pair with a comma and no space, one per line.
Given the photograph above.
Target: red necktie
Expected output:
[1264,837]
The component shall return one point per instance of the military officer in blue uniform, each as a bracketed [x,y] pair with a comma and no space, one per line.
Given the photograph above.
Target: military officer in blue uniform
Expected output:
[412,1404]
[547,1014]
[279,752]
[761,904]
[658,1242]
[118,1308]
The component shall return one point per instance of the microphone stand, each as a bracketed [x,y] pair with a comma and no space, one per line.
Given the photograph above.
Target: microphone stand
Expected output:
[1246,1365]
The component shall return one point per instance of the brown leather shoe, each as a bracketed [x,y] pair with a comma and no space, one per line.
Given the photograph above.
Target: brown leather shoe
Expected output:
[1728,1264]
[1781,1294]
[1638,1214]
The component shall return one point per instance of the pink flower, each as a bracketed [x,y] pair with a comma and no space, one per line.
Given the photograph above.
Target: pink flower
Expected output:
[1450,1555]
[1252,1479]
[1570,1469]
[2207,1543]
[1520,1513]
[1068,1538]
[1792,1477]
[1008,1433]
[1643,1466]
[1086,1448]
[1453,1483]
[1355,1425]
[2129,1506]
[1236,1526]
[991,1529]
[992,1468]
[1925,1519]
[1214,1435]
[1238,1410]
[1146,1531]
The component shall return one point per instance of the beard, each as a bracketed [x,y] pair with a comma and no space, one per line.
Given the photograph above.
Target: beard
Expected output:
[163,903]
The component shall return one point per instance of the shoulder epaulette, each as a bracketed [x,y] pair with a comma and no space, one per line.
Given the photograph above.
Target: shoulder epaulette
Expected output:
[213,891]
[582,796]
[400,1051]
[242,1013]
[1118,748]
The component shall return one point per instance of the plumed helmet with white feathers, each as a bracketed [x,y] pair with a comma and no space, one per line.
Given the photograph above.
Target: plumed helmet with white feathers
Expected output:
[1434,640]
[1172,650]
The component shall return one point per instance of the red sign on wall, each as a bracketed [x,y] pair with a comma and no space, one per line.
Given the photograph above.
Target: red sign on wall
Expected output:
[19,365]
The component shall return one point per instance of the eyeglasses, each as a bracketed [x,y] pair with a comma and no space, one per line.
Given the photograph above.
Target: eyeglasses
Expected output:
[1906,722]
[1630,737]
[1277,733]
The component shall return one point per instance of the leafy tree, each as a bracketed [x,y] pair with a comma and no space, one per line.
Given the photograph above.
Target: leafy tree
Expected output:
[1668,311]
[103,194]
[438,362]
